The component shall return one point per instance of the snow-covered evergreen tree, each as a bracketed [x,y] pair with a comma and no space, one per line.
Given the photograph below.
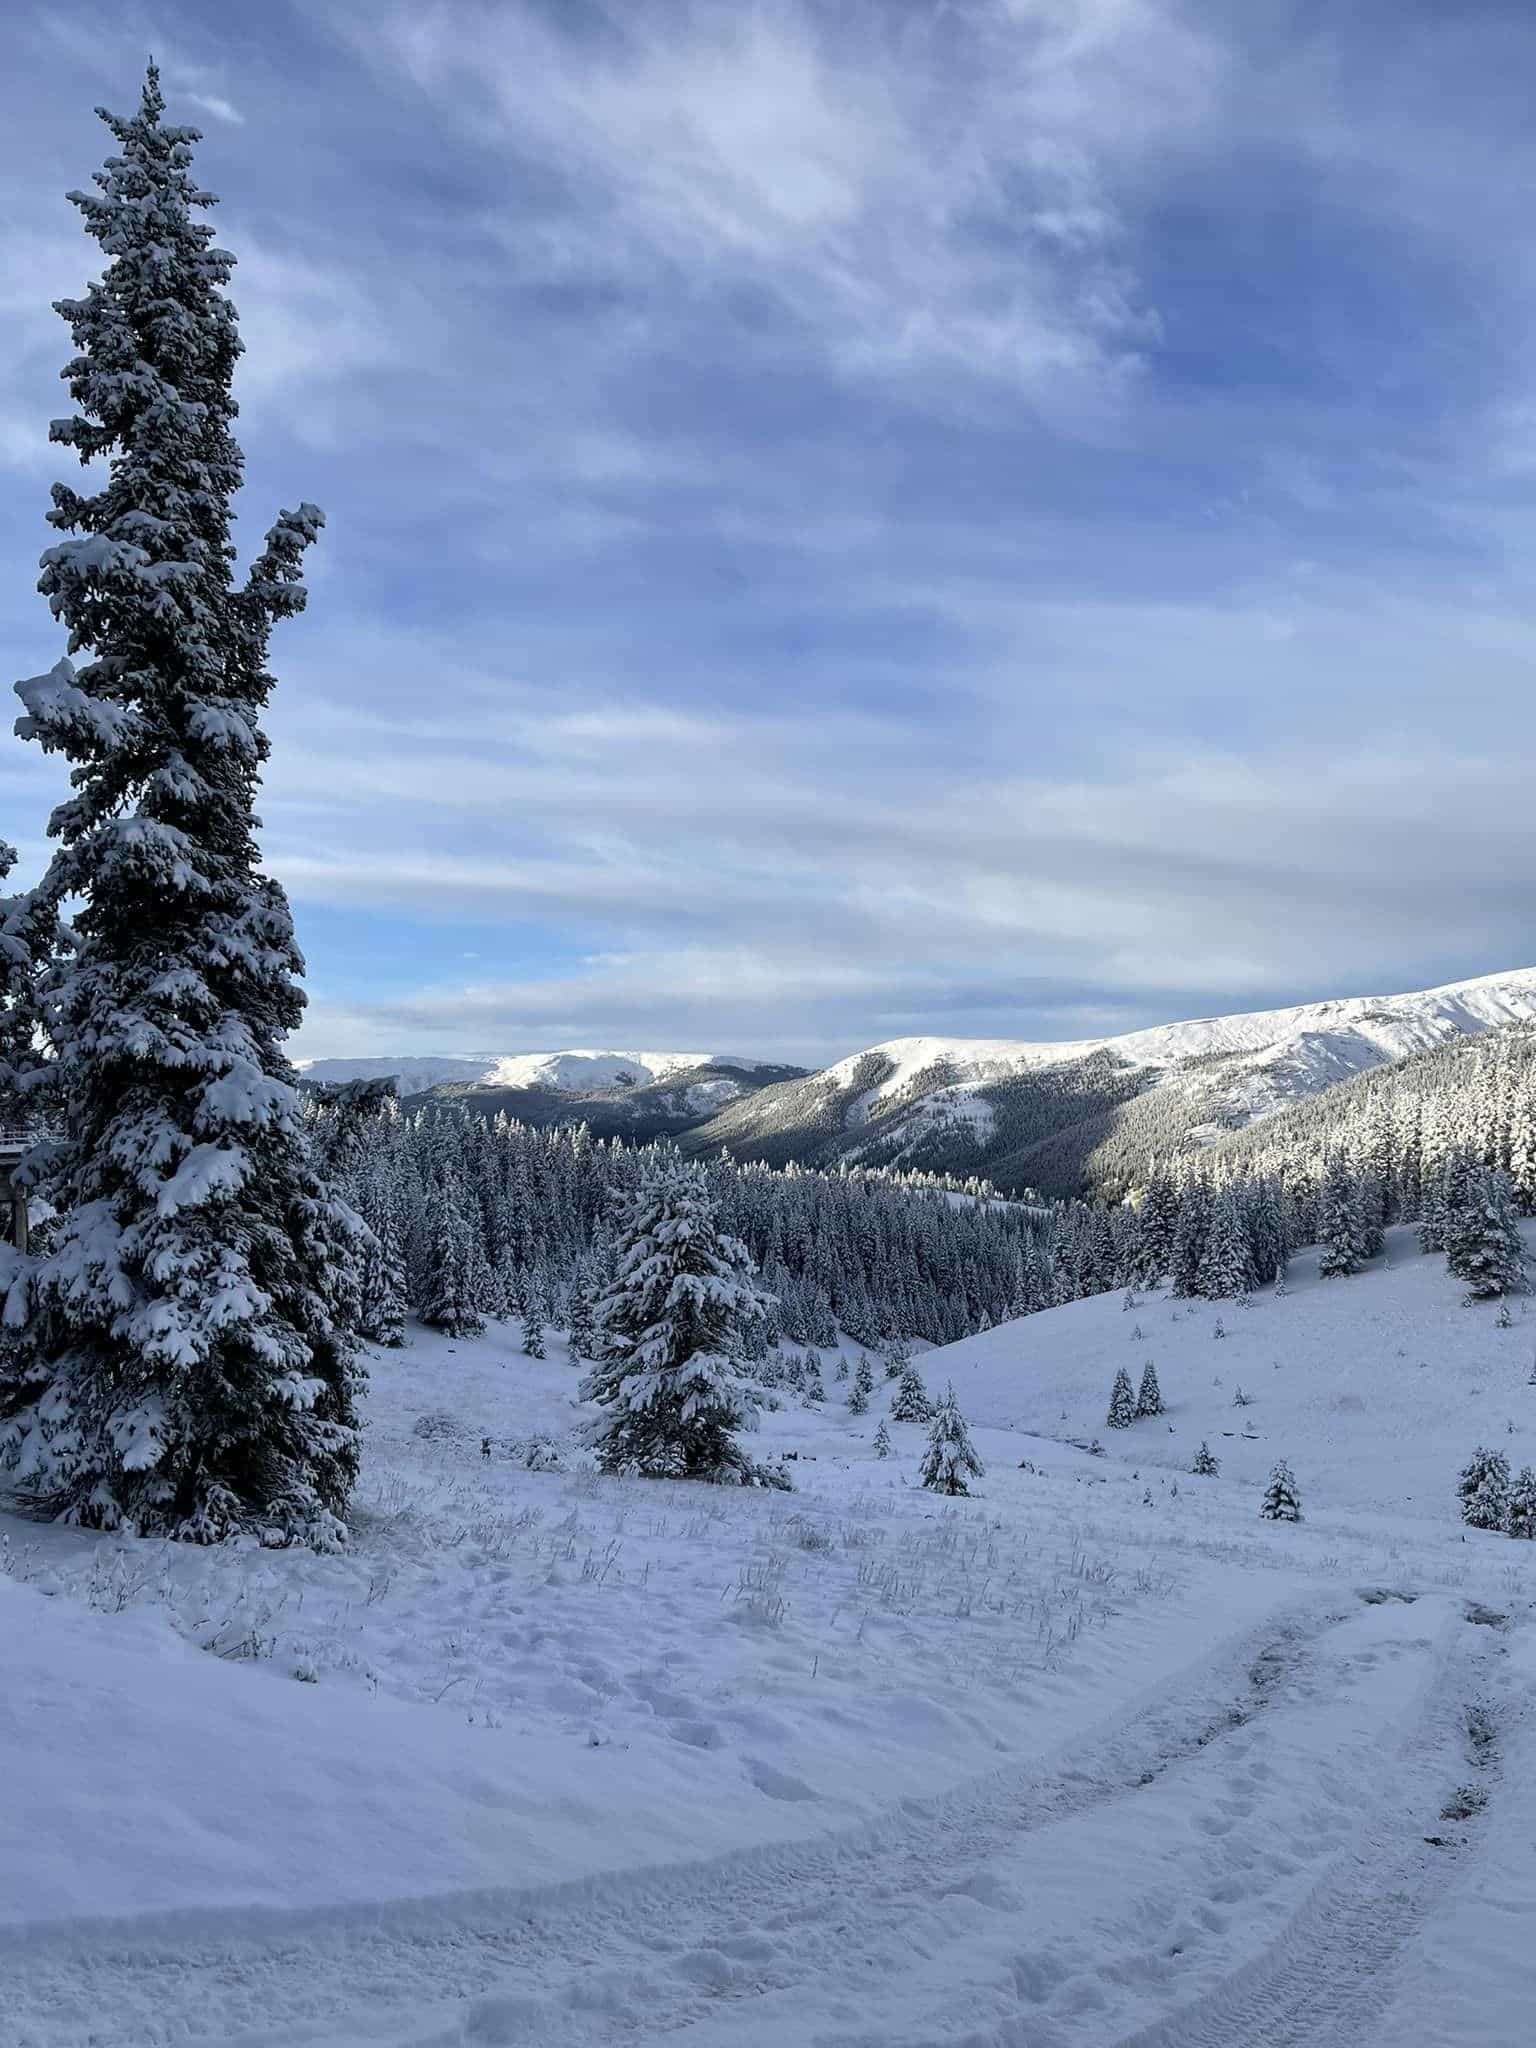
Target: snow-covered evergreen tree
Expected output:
[29,940]
[669,1331]
[1206,1465]
[580,1325]
[1484,1488]
[382,1290]
[1448,1191]
[813,1387]
[1157,1221]
[910,1402]
[1150,1399]
[950,1459]
[1520,1516]
[1189,1238]
[1226,1263]
[863,1385]
[882,1441]
[188,1368]
[449,1303]
[896,1358]
[1484,1247]
[533,1332]
[1122,1401]
[1341,1221]
[1281,1502]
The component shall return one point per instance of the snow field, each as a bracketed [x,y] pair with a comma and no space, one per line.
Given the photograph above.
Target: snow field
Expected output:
[1093,1758]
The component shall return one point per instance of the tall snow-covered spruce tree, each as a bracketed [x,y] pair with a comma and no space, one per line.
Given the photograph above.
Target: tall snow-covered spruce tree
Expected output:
[670,1334]
[186,1367]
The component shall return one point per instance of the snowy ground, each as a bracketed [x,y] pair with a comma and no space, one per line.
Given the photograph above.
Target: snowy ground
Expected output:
[549,1759]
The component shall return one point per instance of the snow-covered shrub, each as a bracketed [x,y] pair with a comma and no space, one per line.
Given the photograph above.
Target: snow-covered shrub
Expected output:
[438,1425]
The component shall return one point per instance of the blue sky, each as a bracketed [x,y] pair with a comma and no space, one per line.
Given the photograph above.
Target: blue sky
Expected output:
[995,517]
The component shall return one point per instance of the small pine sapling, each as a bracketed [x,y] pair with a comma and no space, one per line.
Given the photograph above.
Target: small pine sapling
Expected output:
[1206,1464]
[1122,1402]
[1281,1502]
[812,1387]
[863,1385]
[911,1403]
[950,1459]
[882,1442]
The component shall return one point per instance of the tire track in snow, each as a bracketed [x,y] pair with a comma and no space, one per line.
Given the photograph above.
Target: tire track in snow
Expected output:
[513,1968]
[1066,1979]
[1328,1974]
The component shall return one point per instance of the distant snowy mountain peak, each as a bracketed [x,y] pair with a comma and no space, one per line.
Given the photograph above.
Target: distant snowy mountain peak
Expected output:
[578,1071]
[1088,1114]
[1363,1030]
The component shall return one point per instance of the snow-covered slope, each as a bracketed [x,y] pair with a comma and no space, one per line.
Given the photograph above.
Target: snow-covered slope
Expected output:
[1376,1387]
[993,1104]
[1096,1757]
[1319,1042]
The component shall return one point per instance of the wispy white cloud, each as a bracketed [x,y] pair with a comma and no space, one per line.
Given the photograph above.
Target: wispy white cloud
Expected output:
[918,189]
[221,109]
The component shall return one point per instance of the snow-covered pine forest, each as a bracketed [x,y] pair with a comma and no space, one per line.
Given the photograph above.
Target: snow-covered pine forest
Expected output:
[478,1217]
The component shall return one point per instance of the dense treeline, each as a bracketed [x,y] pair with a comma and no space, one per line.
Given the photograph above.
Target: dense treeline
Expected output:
[477,1217]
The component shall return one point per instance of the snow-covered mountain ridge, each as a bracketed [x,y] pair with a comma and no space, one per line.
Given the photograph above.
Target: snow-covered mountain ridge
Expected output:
[1043,1113]
[1345,1034]
[571,1072]
[1055,1115]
